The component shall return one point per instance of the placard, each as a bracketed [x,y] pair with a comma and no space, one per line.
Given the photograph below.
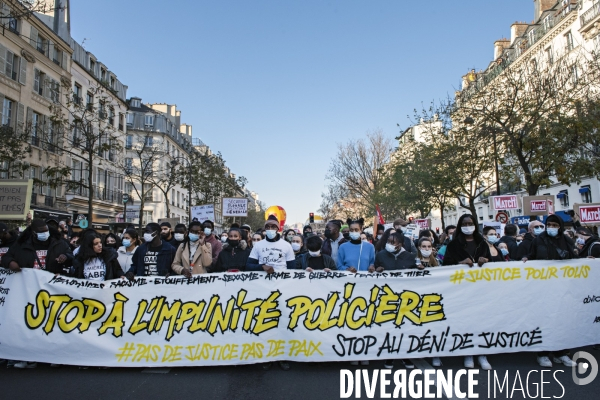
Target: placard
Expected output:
[15,198]
[589,214]
[538,205]
[505,202]
[203,213]
[235,207]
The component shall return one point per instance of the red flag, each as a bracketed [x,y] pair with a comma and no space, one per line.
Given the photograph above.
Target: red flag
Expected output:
[379,215]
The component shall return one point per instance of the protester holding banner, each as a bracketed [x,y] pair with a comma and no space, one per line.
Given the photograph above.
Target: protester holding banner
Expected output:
[591,243]
[491,238]
[194,255]
[153,257]
[39,247]
[356,255]
[425,254]
[535,228]
[314,259]
[7,239]
[552,244]
[394,256]
[467,246]
[210,238]
[131,241]
[273,253]
[380,244]
[96,262]
[234,255]
[111,240]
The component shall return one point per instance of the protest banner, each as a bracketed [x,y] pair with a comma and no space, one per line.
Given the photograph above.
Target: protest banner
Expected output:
[203,213]
[15,199]
[235,207]
[252,317]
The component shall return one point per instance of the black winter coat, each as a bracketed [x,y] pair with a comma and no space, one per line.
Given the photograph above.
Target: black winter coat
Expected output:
[525,246]
[391,262]
[302,261]
[456,251]
[24,254]
[513,247]
[113,268]
[545,247]
[232,258]
[590,248]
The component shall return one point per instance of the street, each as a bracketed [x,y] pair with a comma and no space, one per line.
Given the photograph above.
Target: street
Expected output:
[302,381]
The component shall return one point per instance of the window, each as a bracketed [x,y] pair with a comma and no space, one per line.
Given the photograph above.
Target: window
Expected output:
[90,101]
[586,194]
[112,82]
[54,91]
[77,94]
[7,112]
[534,64]
[92,66]
[135,103]
[596,41]
[149,120]
[149,141]
[42,44]
[50,139]
[36,125]
[148,192]
[76,136]
[12,65]
[101,110]
[531,37]
[128,141]
[130,117]
[56,55]
[147,217]
[569,41]
[547,22]
[128,188]
[121,121]
[102,74]
[574,74]
[13,24]
[563,196]
[549,57]
[38,81]
[129,165]
[111,116]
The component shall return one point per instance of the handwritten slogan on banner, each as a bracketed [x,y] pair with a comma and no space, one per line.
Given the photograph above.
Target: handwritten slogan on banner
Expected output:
[235,207]
[252,317]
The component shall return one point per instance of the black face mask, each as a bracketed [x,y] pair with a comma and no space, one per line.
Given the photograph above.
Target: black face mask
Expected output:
[233,243]
[347,235]
[110,245]
[328,233]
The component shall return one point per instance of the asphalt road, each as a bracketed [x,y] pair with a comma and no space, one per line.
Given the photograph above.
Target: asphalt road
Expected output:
[302,381]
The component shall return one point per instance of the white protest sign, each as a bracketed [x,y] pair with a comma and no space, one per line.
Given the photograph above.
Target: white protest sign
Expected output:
[235,207]
[203,213]
[253,317]
[412,231]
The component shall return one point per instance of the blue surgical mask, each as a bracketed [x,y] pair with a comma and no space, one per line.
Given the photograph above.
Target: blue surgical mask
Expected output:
[492,239]
[504,252]
[271,233]
[207,231]
[552,231]
[354,235]
[538,230]
[126,242]
[43,236]
[193,237]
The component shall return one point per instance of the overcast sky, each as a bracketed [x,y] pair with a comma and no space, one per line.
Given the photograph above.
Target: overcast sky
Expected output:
[274,85]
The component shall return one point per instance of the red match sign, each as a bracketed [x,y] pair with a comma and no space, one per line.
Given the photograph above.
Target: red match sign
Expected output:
[509,202]
[589,214]
[422,223]
[538,205]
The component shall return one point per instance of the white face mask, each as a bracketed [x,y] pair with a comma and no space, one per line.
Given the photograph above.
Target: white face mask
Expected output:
[467,230]
[296,246]
[391,248]
[354,235]
[271,233]
[179,237]
[207,231]
[379,237]
[223,239]
[314,253]
[148,237]
[425,253]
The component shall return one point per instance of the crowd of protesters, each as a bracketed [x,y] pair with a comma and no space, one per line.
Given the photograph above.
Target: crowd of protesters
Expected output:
[163,250]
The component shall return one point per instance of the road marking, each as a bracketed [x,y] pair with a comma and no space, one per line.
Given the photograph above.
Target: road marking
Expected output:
[423,365]
[156,370]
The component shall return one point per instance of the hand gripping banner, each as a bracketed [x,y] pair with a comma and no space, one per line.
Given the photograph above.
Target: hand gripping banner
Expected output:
[252,317]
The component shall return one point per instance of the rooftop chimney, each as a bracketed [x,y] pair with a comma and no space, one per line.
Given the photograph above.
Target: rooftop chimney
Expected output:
[542,5]
[499,46]
[516,30]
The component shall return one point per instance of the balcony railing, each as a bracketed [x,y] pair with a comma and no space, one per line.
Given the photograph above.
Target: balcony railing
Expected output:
[99,193]
[590,14]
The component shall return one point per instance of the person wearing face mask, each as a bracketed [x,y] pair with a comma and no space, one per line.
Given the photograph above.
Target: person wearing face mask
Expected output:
[298,246]
[111,241]
[39,247]
[379,233]
[235,253]
[590,243]
[307,231]
[215,244]
[552,244]
[449,231]
[154,257]
[510,238]
[355,255]
[333,239]
[345,230]
[535,228]
[495,255]
[468,245]
[289,235]
[400,225]
[131,241]
[426,256]
[224,237]
[504,250]
[194,256]
[393,256]
[314,259]
[380,244]
[179,234]
[272,254]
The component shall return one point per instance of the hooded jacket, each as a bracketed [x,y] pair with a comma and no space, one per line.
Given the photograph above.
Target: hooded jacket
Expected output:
[591,248]
[525,246]
[232,257]
[23,252]
[546,247]
[110,258]
[513,247]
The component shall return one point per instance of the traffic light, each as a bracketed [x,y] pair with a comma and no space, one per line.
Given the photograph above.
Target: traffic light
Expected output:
[311,218]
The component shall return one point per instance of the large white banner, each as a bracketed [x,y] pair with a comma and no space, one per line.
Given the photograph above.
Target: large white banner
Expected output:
[252,317]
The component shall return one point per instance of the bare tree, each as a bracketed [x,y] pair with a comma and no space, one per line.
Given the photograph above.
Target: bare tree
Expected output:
[356,171]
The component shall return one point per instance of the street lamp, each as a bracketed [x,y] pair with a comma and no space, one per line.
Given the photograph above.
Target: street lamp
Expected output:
[471,121]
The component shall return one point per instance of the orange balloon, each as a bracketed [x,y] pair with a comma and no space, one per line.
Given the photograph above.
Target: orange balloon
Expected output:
[279,213]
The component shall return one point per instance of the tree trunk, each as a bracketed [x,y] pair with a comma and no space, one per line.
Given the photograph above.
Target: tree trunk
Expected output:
[142,202]
[90,187]
[167,204]
[442,216]
[473,211]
